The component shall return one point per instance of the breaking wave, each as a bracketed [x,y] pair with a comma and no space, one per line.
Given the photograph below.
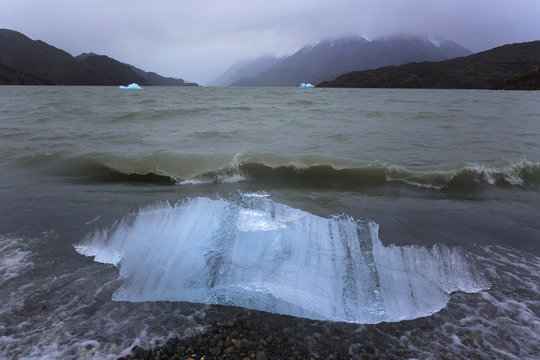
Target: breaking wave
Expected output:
[252,252]
[310,170]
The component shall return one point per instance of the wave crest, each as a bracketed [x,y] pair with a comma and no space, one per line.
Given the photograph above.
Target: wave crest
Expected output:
[311,170]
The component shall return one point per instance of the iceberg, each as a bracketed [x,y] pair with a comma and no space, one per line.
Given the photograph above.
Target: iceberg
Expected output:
[306,85]
[130,86]
[252,252]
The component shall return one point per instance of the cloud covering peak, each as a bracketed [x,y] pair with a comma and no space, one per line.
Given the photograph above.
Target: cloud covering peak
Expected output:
[197,40]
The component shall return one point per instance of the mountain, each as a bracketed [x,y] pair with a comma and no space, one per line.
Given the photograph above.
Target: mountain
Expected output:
[42,62]
[24,61]
[9,76]
[155,79]
[116,72]
[486,70]
[120,73]
[529,81]
[330,58]
[245,68]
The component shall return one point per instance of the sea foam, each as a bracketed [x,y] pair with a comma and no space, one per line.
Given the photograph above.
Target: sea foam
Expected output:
[14,259]
[253,252]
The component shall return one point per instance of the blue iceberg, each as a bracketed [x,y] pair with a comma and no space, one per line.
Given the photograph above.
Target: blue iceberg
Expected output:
[130,86]
[253,252]
[306,85]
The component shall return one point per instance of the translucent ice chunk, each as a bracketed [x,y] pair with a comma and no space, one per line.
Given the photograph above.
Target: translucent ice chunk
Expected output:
[259,254]
[130,86]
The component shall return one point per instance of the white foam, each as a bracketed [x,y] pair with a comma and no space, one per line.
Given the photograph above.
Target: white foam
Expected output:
[228,174]
[192,182]
[506,171]
[14,259]
[70,315]
[93,220]
[257,194]
[509,172]
[255,253]
[502,321]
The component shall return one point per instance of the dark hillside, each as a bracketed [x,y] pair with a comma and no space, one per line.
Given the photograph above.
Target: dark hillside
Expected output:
[38,60]
[529,81]
[24,61]
[9,76]
[486,70]
[115,72]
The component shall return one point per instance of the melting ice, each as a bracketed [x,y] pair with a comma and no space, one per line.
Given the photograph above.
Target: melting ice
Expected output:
[130,86]
[253,252]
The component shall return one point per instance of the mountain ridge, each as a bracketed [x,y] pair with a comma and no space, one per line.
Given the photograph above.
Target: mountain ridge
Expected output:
[24,61]
[489,69]
[330,58]
[245,68]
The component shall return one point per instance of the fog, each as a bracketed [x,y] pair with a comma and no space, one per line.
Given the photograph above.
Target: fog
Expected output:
[198,40]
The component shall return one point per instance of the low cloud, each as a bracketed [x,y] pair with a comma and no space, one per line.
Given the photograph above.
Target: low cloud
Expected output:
[197,40]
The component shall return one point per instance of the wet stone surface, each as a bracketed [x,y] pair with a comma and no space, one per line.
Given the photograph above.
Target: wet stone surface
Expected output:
[262,336]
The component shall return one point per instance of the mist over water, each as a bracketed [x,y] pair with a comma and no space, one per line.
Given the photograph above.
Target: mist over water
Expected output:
[196,184]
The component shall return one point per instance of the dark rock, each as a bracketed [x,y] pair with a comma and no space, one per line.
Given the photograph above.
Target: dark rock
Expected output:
[261,356]
[215,351]
[355,349]
[170,346]
[369,350]
[140,353]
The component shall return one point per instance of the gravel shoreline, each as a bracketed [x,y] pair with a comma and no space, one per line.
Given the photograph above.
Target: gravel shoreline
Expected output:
[235,333]
[263,336]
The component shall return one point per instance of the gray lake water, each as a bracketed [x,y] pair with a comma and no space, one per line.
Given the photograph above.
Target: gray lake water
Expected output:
[258,197]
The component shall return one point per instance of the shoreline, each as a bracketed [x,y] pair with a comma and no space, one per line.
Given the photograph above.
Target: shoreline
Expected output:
[250,334]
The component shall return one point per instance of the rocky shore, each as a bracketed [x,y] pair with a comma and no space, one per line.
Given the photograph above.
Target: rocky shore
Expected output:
[258,335]
[222,332]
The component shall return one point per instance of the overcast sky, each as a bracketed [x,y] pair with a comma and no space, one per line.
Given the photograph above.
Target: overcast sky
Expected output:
[198,39]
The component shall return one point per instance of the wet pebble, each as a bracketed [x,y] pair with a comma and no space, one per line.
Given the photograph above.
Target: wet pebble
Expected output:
[258,336]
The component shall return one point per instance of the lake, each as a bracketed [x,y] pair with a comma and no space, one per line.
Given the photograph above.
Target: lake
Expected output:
[410,218]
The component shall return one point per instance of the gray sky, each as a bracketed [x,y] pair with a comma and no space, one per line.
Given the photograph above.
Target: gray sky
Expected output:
[198,39]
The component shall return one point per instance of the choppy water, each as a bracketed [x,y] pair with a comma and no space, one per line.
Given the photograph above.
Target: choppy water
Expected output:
[270,199]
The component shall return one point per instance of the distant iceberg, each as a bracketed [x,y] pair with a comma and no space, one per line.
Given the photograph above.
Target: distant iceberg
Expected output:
[253,252]
[130,86]
[306,85]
